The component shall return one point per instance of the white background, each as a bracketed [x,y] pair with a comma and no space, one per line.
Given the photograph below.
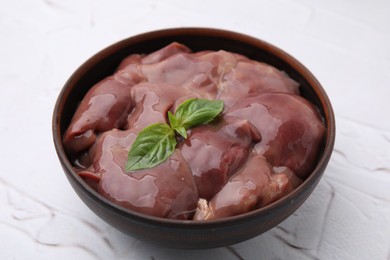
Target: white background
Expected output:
[345,43]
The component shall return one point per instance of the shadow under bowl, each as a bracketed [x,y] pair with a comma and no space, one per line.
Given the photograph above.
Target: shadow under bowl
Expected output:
[187,233]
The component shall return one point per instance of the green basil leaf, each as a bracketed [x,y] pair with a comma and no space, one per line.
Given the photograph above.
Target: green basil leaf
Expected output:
[153,145]
[182,131]
[194,111]
[175,124]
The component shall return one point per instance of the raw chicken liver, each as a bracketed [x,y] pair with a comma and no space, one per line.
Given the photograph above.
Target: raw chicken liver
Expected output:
[262,146]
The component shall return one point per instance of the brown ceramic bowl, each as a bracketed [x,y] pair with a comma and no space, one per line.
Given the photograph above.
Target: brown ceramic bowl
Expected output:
[179,233]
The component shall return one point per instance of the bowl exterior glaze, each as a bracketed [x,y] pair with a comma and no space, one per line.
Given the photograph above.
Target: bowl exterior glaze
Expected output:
[190,234]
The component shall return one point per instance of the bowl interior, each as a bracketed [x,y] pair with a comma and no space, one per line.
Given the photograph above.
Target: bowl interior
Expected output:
[105,62]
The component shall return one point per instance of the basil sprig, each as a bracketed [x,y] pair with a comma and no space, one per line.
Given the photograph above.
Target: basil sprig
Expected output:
[155,143]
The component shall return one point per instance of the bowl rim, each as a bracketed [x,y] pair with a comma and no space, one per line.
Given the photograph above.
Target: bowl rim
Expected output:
[311,181]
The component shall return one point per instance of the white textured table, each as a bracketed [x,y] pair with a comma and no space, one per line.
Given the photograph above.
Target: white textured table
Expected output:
[346,44]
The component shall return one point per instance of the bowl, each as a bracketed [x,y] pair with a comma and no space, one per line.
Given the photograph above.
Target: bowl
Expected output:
[190,234]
